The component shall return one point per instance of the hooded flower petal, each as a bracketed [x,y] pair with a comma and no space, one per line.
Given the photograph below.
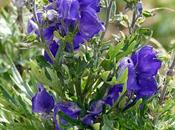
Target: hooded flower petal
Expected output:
[145,61]
[113,94]
[48,34]
[89,23]
[148,86]
[68,9]
[68,108]
[53,48]
[42,101]
[142,69]
[132,81]
[90,3]
[95,109]
[88,119]
[78,40]
[32,27]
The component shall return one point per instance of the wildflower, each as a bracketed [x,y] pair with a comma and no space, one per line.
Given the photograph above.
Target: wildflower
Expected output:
[96,108]
[113,94]
[76,16]
[142,66]
[68,108]
[53,48]
[42,102]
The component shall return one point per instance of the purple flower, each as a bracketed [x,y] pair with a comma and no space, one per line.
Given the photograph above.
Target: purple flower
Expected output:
[142,70]
[68,108]
[42,101]
[68,9]
[68,16]
[113,94]
[95,109]
[53,48]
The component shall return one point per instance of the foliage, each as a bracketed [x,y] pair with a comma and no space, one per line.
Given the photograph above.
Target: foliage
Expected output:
[82,76]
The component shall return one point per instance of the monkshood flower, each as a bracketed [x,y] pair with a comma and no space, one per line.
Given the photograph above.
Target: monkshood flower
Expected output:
[143,66]
[69,109]
[95,110]
[66,17]
[42,102]
[96,107]
[53,48]
[113,94]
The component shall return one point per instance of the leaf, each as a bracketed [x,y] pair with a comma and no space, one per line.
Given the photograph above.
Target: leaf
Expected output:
[107,64]
[46,75]
[147,13]
[108,124]
[123,77]
[114,50]
[104,75]
[17,79]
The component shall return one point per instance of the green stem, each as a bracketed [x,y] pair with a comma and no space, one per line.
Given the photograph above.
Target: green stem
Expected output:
[60,53]
[79,91]
[41,33]
[169,73]
[108,15]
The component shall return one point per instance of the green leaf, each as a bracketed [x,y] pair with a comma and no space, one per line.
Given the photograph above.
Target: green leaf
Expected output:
[123,77]
[108,124]
[147,13]
[107,64]
[114,50]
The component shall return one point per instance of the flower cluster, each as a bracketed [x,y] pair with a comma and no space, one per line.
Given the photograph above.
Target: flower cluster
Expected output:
[143,66]
[142,70]
[77,22]
[76,17]
[43,102]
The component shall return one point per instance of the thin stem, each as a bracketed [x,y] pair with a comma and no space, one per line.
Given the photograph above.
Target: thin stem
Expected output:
[79,90]
[163,8]
[108,14]
[60,52]
[169,73]
[41,33]
[134,19]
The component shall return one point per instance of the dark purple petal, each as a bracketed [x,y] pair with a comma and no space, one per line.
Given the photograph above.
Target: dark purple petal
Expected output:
[68,108]
[90,3]
[48,34]
[88,119]
[53,48]
[32,27]
[132,77]
[113,94]
[42,101]
[78,40]
[145,61]
[40,17]
[90,25]
[68,9]
[148,86]
[96,107]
